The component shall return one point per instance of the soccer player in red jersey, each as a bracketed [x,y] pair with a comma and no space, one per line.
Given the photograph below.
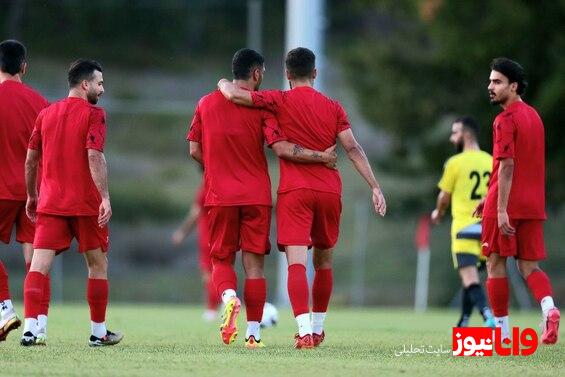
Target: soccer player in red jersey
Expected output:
[229,141]
[309,196]
[514,210]
[73,200]
[19,106]
[198,217]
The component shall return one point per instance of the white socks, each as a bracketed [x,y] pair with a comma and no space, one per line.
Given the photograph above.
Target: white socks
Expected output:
[227,295]
[97,329]
[304,324]
[318,322]
[253,328]
[42,324]
[502,322]
[546,304]
[30,324]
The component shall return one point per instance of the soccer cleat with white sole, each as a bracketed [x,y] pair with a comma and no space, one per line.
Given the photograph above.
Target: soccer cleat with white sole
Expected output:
[109,339]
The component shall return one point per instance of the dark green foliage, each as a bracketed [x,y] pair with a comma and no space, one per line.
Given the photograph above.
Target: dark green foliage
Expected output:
[415,65]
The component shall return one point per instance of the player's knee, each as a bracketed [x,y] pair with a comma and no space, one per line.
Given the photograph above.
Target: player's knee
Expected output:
[98,268]
[526,267]
[496,268]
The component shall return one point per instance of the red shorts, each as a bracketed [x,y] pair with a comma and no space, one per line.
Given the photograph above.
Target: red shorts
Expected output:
[526,244]
[234,228]
[13,212]
[56,233]
[308,218]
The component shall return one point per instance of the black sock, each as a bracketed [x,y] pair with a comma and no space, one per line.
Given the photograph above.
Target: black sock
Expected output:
[478,298]
[466,309]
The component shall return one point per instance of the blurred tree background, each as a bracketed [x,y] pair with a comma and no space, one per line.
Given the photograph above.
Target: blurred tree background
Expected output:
[417,64]
[404,69]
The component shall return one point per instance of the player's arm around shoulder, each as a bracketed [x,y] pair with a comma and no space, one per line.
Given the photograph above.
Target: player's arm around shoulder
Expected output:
[234,93]
[359,159]
[297,153]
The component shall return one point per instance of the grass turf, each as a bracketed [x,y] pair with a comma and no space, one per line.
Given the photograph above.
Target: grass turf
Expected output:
[174,341]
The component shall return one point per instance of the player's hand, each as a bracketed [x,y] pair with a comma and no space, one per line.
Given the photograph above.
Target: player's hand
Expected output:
[479,210]
[504,224]
[177,237]
[31,208]
[104,213]
[379,201]
[435,217]
[332,157]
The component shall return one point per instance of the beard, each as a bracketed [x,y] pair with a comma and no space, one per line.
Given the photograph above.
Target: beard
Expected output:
[493,101]
[92,97]
[459,147]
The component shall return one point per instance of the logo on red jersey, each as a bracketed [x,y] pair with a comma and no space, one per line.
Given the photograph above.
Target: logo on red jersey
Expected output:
[482,341]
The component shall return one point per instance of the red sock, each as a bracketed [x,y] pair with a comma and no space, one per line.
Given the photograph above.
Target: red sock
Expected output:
[97,297]
[498,296]
[212,298]
[4,286]
[28,266]
[539,285]
[297,285]
[224,277]
[33,293]
[322,290]
[44,310]
[255,295]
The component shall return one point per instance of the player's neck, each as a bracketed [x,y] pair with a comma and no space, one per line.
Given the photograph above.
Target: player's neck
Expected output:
[301,83]
[77,94]
[471,146]
[7,77]
[244,84]
[511,101]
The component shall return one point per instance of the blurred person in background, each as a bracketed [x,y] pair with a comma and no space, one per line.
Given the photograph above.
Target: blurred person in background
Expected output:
[19,106]
[463,184]
[197,217]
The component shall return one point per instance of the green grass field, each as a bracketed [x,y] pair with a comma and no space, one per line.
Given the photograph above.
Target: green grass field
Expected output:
[174,341]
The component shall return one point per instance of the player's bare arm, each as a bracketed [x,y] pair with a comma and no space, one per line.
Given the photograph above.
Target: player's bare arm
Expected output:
[187,225]
[357,156]
[234,93]
[297,153]
[505,174]
[196,151]
[442,203]
[478,212]
[31,164]
[99,173]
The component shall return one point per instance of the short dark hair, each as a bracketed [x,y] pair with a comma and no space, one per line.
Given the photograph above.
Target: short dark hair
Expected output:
[513,71]
[469,124]
[12,55]
[244,61]
[82,69]
[300,62]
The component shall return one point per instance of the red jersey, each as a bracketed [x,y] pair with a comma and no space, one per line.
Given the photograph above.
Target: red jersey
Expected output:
[63,132]
[19,106]
[232,138]
[312,120]
[518,133]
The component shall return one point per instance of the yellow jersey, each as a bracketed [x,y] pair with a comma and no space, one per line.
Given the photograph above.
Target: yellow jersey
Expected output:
[465,177]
